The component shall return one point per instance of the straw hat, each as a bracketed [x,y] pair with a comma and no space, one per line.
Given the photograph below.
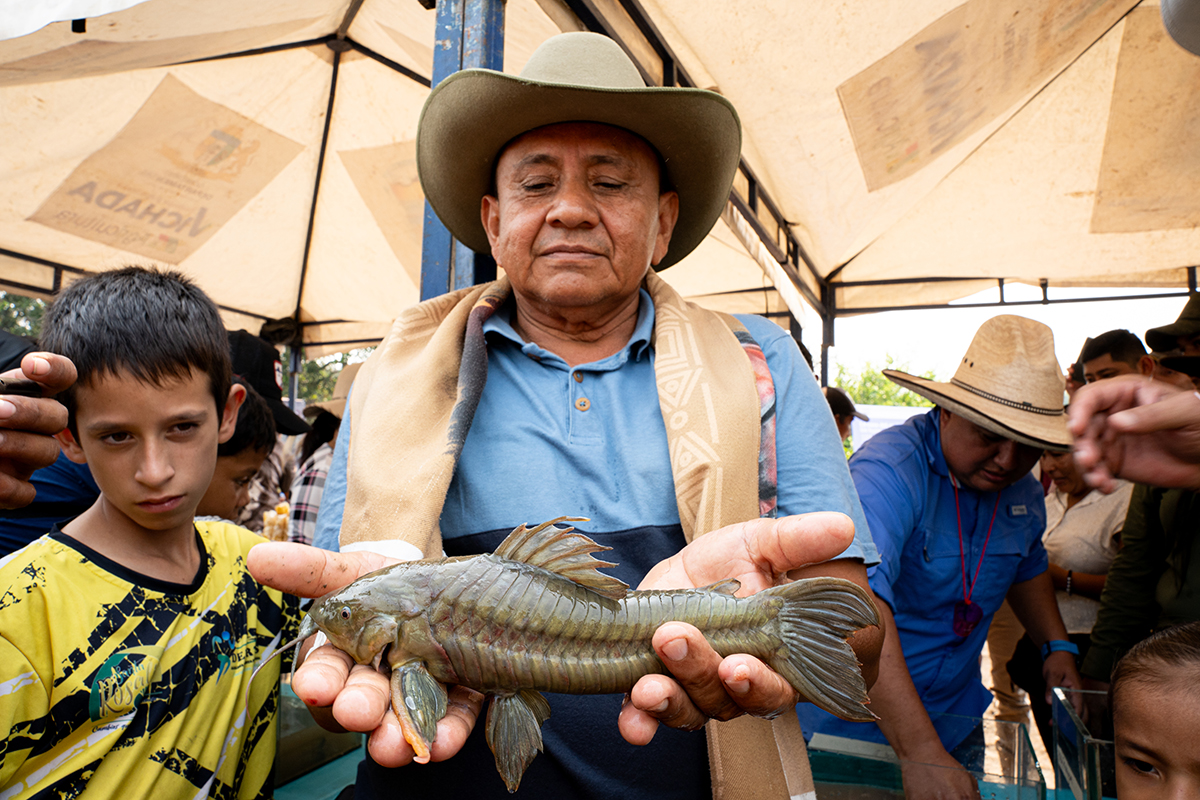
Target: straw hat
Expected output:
[341,392]
[574,77]
[1008,382]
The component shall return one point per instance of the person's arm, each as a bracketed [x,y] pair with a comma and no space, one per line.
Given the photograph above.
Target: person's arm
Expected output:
[356,696]
[333,499]
[892,506]
[1087,584]
[1033,602]
[29,425]
[1138,429]
[811,470]
[928,771]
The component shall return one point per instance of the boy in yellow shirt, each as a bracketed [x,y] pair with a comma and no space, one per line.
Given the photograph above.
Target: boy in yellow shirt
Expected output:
[128,637]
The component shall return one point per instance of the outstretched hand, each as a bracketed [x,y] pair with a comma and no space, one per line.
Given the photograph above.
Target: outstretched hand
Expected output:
[758,553]
[1141,430]
[28,425]
[342,695]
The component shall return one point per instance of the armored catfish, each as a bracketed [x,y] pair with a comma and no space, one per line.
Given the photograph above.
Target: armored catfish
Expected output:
[538,615]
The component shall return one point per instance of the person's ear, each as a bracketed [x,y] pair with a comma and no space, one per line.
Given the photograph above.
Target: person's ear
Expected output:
[229,417]
[69,446]
[668,215]
[489,215]
[1146,365]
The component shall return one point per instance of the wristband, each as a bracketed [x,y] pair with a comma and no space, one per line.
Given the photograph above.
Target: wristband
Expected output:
[1055,645]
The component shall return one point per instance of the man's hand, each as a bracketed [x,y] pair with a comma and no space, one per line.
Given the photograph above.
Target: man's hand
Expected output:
[340,694]
[28,425]
[757,553]
[939,777]
[1137,429]
[1059,670]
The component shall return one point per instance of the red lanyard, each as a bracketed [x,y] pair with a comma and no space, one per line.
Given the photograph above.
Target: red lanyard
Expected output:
[962,553]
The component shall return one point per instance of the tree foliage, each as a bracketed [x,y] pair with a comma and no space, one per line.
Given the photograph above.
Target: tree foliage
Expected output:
[869,386]
[21,315]
[318,376]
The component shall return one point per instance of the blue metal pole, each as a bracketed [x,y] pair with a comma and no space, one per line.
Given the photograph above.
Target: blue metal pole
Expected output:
[469,33]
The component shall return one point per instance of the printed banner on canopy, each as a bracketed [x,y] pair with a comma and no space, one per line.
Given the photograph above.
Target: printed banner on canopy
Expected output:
[178,171]
[959,74]
[1150,170]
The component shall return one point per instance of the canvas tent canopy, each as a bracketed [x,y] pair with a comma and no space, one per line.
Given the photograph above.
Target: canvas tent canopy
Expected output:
[895,154]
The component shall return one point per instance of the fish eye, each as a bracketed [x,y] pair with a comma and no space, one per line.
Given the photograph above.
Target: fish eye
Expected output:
[346,612]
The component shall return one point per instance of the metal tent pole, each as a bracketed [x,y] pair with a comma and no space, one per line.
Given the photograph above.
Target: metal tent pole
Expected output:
[469,33]
[828,311]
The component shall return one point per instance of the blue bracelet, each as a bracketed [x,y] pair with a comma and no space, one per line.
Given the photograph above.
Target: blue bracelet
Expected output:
[1055,645]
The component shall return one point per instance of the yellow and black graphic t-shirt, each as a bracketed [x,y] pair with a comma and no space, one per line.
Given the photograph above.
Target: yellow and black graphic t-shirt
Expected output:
[116,685]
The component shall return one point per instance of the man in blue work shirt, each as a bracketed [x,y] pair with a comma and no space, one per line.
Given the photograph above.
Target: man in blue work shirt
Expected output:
[958,520]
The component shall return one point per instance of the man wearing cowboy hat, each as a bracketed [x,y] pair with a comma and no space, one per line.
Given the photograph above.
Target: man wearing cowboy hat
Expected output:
[958,522]
[581,383]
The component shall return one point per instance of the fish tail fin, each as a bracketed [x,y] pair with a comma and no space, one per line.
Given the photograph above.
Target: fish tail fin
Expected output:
[818,615]
[514,732]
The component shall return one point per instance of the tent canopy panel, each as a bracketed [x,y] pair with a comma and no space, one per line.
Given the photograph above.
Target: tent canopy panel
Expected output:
[1023,206]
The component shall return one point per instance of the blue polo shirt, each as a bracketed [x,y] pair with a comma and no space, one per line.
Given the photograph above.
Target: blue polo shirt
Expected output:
[536,451]
[906,493]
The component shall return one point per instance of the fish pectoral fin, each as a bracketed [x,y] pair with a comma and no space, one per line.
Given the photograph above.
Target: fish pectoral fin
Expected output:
[514,732]
[728,586]
[564,553]
[419,702]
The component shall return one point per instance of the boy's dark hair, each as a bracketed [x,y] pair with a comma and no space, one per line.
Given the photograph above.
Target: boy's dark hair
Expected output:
[1120,344]
[157,325]
[1152,660]
[255,425]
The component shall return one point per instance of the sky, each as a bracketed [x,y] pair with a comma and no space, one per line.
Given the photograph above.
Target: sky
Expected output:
[937,339]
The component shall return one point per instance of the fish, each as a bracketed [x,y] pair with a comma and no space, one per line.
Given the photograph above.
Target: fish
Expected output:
[538,615]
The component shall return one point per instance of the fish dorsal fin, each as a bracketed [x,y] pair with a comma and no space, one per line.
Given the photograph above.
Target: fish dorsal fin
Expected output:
[563,553]
[729,586]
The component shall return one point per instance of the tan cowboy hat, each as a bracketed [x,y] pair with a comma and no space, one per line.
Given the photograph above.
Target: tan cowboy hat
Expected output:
[1008,382]
[574,77]
[341,392]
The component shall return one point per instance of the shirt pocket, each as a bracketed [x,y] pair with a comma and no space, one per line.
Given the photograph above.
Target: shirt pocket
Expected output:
[940,582]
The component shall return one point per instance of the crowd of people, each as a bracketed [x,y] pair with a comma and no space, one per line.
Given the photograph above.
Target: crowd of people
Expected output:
[697,445]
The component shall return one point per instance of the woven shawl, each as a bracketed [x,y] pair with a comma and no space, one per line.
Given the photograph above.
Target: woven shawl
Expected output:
[412,405]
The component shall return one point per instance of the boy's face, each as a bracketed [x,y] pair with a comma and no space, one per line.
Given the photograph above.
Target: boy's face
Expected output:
[229,491]
[1155,739]
[152,449]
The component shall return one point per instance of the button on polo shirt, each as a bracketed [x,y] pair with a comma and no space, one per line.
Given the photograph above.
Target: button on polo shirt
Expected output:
[593,433]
